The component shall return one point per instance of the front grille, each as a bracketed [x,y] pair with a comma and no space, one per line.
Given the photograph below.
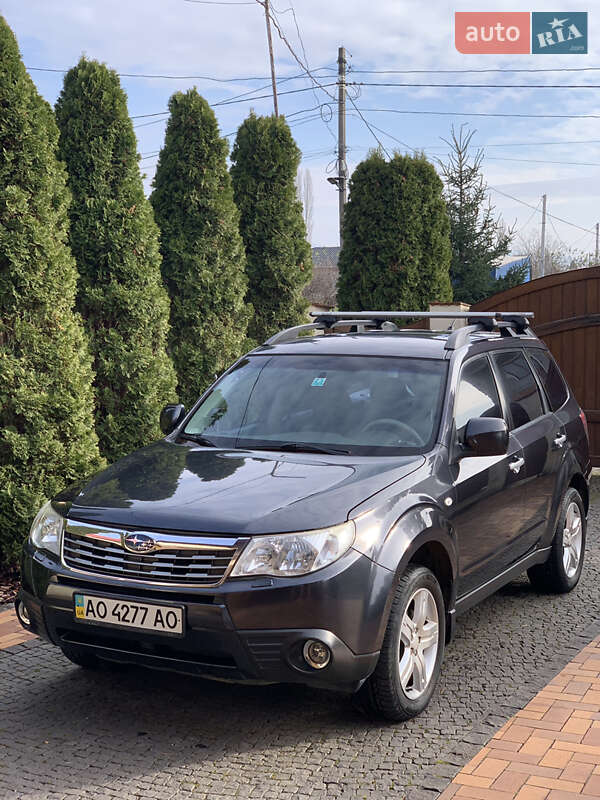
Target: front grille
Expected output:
[180,559]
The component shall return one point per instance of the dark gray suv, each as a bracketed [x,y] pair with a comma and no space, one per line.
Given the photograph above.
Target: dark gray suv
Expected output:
[324,512]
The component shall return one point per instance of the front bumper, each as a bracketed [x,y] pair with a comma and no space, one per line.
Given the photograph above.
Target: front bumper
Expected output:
[243,631]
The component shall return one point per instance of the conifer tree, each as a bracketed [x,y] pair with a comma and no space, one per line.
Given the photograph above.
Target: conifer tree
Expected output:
[47,437]
[203,263]
[278,259]
[396,249]
[479,240]
[115,242]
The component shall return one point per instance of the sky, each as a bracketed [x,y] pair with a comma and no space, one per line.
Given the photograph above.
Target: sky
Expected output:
[555,150]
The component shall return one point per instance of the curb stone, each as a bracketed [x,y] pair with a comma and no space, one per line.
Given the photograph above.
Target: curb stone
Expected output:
[462,751]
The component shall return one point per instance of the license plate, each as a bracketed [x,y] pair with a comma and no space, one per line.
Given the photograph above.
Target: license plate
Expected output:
[126,614]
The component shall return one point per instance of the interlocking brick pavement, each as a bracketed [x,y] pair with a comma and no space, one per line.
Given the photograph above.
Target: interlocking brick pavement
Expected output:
[129,734]
[11,632]
[548,751]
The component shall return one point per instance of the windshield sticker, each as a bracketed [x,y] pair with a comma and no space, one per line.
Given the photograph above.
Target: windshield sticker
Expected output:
[318,381]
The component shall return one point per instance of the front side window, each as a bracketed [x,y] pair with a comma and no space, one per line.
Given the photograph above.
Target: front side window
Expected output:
[477,395]
[354,404]
[550,377]
[520,388]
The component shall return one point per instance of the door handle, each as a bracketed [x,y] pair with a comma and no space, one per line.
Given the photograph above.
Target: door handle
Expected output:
[560,440]
[516,465]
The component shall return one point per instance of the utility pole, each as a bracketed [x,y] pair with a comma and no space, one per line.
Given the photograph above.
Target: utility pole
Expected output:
[597,243]
[270,42]
[543,244]
[340,180]
[342,134]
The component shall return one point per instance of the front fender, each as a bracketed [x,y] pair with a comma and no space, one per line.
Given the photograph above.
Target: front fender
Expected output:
[424,530]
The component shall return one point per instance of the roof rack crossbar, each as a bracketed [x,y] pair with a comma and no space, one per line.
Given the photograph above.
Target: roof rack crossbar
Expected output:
[326,316]
[508,323]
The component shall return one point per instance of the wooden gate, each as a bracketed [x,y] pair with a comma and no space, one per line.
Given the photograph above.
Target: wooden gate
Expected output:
[567,317]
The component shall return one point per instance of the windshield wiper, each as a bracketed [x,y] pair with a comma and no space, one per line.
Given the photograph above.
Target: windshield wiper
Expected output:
[301,447]
[198,438]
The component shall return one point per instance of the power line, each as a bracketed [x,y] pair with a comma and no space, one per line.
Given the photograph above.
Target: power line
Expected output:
[221,2]
[480,85]
[534,212]
[187,77]
[523,144]
[377,139]
[262,96]
[553,216]
[557,234]
[466,71]
[541,161]
[293,53]
[243,99]
[291,8]
[481,114]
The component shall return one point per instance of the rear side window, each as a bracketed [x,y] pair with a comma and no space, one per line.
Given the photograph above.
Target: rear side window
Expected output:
[477,395]
[550,377]
[520,388]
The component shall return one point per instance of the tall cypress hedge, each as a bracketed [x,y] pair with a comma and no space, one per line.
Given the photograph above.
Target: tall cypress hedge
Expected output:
[278,259]
[115,242]
[47,437]
[203,253]
[396,249]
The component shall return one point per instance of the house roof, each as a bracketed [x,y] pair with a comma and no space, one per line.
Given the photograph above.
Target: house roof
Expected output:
[325,256]
[322,290]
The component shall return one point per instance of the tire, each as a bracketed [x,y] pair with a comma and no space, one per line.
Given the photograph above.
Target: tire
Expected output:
[81,658]
[397,694]
[561,572]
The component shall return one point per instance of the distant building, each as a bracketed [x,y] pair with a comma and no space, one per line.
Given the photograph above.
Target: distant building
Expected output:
[321,292]
[513,261]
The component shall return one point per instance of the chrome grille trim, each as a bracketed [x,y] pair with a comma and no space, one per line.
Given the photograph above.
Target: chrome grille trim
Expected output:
[199,560]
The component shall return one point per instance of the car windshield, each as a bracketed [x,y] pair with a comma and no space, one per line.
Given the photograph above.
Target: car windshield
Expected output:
[349,404]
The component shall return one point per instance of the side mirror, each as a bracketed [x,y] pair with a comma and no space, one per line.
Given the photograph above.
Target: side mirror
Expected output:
[171,416]
[486,436]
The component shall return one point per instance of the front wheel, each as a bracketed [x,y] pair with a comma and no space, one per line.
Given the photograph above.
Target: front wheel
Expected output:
[562,570]
[413,648]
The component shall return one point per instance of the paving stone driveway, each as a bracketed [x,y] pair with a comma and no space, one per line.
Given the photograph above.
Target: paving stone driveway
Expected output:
[65,733]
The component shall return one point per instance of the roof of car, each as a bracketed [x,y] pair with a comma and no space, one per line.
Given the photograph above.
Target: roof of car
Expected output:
[408,343]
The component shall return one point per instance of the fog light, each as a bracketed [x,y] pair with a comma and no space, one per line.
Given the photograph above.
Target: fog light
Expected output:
[23,614]
[316,654]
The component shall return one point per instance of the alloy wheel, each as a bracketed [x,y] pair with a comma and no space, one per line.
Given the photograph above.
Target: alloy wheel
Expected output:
[572,539]
[419,641]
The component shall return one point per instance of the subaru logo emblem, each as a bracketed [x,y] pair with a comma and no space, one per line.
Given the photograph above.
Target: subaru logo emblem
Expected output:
[138,543]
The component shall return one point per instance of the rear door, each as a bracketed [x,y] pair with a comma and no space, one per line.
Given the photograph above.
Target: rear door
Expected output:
[488,502]
[537,430]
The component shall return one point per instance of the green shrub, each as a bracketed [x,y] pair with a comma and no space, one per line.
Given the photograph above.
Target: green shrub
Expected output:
[203,253]
[396,250]
[278,259]
[115,242]
[47,437]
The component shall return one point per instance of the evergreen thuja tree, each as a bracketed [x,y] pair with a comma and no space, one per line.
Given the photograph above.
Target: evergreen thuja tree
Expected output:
[47,437]
[203,253]
[396,249]
[278,258]
[479,240]
[115,242]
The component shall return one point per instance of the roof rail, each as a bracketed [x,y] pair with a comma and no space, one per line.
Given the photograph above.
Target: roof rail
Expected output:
[508,323]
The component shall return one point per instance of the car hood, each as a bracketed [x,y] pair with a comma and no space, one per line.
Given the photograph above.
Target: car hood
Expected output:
[184,487]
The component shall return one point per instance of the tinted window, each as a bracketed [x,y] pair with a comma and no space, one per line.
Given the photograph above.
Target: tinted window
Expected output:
[477,394]
[366,405]
[550,377]
[520,388]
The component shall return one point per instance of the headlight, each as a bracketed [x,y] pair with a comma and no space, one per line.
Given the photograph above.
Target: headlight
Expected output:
[289,554]
[47,529]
